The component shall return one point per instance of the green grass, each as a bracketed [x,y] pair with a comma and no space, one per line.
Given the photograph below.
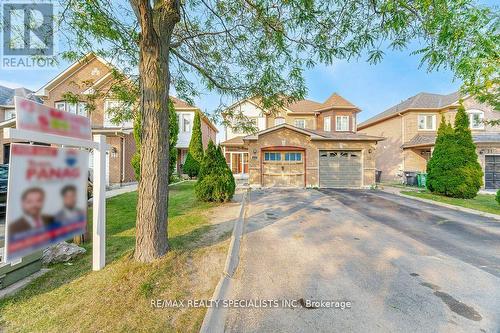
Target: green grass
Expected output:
[71,297]
[482,202]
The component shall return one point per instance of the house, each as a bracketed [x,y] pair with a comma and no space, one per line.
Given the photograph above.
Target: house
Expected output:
[93,74]
[411,127]
[303,144]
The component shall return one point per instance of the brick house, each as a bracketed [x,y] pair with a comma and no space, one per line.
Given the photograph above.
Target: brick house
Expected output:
[92,73]
[304,144]
[411,127]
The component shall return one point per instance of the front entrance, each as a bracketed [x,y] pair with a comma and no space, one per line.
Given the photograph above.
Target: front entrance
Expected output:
[340,169]
[238,163]
[283,168]
[492,172]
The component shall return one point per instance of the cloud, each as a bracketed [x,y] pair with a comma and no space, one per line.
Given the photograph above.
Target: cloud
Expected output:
[10,84]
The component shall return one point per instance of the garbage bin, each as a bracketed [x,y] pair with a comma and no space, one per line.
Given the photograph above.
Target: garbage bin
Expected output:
[411,178]
[422,179]
[378,175]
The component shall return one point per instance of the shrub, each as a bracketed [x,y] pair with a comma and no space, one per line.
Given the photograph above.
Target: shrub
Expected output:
[191,166]
[453,169]
[497,197]
[215,181]
[195,151]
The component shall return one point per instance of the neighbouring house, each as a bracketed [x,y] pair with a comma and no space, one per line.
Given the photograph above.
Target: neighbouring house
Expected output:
[304,144]
[411,128]
[93,74]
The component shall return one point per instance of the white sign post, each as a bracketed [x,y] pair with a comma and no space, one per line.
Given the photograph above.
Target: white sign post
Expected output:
[68,131]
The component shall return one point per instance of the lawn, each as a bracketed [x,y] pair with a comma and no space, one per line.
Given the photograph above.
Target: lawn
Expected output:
[482,202]
[71,297]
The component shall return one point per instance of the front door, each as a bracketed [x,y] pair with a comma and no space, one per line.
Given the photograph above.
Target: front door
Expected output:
[492,172]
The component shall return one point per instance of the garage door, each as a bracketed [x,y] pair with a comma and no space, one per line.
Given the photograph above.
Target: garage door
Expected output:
[283,169]
[492,172]
[340,169]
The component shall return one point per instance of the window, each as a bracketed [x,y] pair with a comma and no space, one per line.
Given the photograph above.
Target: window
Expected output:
[185,122]
[272,156]
[60,106]
[427,122]
[110,108]
[82,109]
[300,123]
[293,156]
[327,124]
[279,121]
[476,118]
[72,108]
[342,123]
[9,114]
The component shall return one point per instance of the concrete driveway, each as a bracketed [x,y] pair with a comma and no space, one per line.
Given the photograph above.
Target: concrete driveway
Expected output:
[405,266]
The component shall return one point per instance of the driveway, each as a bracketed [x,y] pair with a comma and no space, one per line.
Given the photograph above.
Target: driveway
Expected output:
[404,265]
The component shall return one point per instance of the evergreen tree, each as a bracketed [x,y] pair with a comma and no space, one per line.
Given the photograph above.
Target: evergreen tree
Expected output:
[215,182]
[453,169]
[195,150]
[173,127]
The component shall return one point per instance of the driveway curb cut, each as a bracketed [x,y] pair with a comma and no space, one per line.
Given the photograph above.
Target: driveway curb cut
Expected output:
[459,208]
[215,317]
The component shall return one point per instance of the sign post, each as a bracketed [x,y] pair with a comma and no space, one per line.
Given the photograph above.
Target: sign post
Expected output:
[99,205]
[39,123]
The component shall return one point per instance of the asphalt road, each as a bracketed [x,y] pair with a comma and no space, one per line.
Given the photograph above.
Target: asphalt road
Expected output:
[405,266]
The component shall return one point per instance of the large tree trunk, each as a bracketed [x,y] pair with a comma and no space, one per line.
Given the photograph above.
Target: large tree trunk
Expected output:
[152,207]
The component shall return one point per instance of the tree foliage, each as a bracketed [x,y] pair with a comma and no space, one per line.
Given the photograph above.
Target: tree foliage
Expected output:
[173,133]
[453,169]
[215,182]
[195,151]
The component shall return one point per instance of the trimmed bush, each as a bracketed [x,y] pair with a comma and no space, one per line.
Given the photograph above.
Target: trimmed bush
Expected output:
[215,181]
[195,151]
[453,169]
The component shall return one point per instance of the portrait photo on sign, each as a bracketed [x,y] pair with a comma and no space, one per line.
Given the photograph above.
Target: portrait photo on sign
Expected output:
[46,199]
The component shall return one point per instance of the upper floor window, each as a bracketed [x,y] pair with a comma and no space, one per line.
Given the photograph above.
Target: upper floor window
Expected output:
[185,122]
[300,123]
[476,119]
[111,107]
[79,108]
[327,124]
[342,123]
[9,114]
[279,121]
[427,122]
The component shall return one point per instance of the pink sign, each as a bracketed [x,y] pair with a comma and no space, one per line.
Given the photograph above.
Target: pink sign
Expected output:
[37,117]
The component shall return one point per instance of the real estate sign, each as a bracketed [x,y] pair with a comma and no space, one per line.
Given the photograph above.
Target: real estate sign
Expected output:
[37,117]
[47,197]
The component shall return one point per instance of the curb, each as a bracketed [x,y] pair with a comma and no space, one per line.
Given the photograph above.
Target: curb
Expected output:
[437,203]
[215,317]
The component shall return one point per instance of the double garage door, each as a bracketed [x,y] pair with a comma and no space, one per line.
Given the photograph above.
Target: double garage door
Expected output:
[337,168]
[340,168]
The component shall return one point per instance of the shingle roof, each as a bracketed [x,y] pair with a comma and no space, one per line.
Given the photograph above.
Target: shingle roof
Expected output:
[430,139]
[179,103]
[334,101]
[236,141]
[419,101]
[304,105]
[7,95]
[338,101]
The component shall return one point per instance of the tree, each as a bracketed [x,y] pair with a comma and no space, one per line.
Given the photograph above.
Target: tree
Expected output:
[195,151]
[215,182]
[260,48]
[453,169]
[173,136]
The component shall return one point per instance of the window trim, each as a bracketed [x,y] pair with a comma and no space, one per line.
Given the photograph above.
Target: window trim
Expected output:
[281,121]
[470,113]
[434,121]
[301,120]
[337,128]
[327,121]
[63,103]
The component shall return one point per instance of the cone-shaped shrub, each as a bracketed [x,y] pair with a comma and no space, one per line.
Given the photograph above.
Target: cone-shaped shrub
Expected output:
[215,181]
[195,151]
[191,166]
[453,169]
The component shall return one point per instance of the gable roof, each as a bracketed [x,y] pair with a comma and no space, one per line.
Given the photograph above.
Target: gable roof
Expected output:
[7,95]
[422,100]
[180,104]
[318,135]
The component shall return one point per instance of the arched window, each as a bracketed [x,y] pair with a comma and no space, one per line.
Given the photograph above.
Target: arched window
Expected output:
[476,118]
